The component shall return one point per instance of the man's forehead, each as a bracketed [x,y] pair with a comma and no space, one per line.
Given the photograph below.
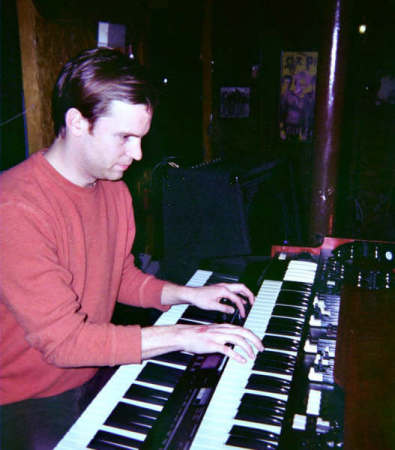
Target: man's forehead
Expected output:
[122,107]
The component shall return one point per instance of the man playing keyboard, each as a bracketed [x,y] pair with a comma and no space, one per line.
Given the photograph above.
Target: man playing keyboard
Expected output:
[67,230]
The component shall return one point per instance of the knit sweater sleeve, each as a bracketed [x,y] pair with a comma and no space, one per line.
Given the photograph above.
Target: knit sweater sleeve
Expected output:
[38,292]
[137,288]
[148,287]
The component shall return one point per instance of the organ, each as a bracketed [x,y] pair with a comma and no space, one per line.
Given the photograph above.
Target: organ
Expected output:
[324,379]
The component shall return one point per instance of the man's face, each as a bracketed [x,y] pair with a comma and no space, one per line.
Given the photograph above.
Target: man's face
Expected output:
[114,142]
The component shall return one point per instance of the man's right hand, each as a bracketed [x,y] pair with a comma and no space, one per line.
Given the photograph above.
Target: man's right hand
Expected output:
[216,338]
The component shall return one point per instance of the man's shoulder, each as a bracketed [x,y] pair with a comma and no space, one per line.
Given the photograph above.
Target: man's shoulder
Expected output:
[17,176]
[20,181]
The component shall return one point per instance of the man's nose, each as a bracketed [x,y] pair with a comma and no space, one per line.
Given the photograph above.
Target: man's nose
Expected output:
[135,151]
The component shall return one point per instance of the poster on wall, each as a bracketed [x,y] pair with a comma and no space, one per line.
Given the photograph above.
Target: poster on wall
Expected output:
[297,96]
[234,102]
[386,91]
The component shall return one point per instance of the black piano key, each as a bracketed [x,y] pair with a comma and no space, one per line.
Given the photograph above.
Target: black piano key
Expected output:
[260,410]
[274,367]
[160,375]
[293,299]
[268,355]
[201,315]
[266,416]
[147,394]
[288,311]
[132,418]
[180,358]
[103,440]
[250,443]
[186,322]
[296,286]
[253,433]
[261,400]
[284,322]
[287,327]
[195,314]
[218,277]
[276,270]
[280,343]
[266,383]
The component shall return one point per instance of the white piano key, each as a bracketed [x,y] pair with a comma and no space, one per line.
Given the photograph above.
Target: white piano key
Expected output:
[288,336]
[143,404]
[199,278]
[279,375]
[280,350]
[168,364]
[152,385]
[122,432]
[274,395]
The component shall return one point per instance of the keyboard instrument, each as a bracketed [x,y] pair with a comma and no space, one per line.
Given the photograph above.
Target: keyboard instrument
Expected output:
[286,398]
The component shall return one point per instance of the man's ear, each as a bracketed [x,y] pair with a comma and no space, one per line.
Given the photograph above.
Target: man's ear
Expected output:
[76,122]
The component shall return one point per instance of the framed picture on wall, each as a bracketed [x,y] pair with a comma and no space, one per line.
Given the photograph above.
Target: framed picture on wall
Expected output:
[234,102]
[297,95]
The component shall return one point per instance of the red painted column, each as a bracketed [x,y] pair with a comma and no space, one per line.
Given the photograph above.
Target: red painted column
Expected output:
[332,60]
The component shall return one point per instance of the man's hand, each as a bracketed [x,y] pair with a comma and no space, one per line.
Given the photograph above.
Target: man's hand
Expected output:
[209,297]
[217,338]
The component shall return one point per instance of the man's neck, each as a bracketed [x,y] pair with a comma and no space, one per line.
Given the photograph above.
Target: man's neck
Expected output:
[62,161]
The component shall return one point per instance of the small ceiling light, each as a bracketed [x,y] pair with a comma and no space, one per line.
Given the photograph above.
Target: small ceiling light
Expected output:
[362,29]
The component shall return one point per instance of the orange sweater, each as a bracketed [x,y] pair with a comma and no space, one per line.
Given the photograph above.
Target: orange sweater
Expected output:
[65,258]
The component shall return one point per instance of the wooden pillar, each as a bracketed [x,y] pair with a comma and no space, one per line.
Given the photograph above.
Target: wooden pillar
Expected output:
[329,107]
[46,45]
[27,18]
[206,56]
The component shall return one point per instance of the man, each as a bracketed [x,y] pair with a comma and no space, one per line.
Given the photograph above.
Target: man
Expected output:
[67,230]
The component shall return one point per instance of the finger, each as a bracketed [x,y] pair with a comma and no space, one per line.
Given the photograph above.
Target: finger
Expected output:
[234,355]
[242,290]
[244,333]
[236,340]
[237,303]
[254,339]
[244,345]
[227,350]
[245,292]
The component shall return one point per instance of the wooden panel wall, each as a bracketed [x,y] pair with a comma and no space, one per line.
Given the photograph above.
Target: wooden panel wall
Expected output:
[45,46]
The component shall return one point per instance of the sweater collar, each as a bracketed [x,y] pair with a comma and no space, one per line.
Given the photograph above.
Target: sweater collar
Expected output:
[52,173]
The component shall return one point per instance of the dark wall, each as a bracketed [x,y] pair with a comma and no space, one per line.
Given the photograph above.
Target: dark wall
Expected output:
[12,124]
[365,206]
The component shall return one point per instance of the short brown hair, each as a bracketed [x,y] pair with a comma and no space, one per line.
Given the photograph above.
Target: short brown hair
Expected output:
[96,77]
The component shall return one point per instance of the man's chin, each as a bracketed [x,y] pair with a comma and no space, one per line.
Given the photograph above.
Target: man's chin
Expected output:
[113,175]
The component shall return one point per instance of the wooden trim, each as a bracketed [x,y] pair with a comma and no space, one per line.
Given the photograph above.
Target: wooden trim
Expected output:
[27,17]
